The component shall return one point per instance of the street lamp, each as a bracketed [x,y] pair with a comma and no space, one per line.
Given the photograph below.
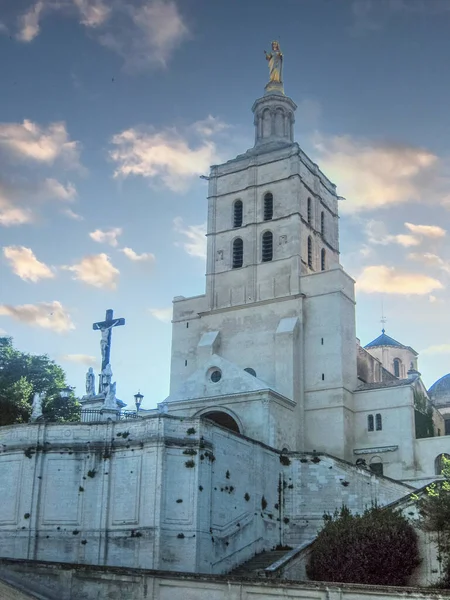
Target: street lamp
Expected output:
[138,400]
[65,392]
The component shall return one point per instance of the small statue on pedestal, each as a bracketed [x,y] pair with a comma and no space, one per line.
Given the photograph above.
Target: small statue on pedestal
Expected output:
[36,408]
[90,382]
[110,399]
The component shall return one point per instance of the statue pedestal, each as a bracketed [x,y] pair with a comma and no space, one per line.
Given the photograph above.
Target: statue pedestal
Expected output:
[274,87]
[109,414]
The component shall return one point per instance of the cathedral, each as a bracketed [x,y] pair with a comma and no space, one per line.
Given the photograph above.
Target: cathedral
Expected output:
[276,413]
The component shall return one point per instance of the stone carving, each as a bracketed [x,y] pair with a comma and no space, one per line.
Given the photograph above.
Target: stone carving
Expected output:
[90,382]
[110,400]
[36,408]
[106,378]
[163,408]
[275,59]
[282,240]
[219,254]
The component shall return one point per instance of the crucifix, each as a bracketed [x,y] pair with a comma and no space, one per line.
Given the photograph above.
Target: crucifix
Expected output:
[106,327]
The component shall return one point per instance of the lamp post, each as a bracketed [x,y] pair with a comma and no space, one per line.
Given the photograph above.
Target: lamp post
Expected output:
[65,392]
[138,401]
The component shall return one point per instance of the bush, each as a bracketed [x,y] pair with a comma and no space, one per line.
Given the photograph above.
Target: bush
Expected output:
[379,548]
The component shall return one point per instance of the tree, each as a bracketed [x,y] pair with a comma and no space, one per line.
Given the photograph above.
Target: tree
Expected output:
[434,509]
[378,547]
[21,376]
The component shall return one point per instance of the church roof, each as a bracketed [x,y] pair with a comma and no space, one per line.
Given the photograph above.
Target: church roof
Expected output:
[384,384]
[440,387]
[386,340]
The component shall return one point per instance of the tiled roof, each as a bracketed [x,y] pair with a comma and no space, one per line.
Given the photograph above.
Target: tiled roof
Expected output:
[386,340]
[384,384]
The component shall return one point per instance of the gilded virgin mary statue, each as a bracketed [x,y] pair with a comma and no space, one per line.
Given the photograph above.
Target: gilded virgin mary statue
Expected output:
[275,59]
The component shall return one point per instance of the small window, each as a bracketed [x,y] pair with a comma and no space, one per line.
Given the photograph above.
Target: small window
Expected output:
[238,253]
[322,223]
[370,423]
[322,259]
[187,325]
[378,422]
[310,252]
[237,213]
[185,363]
[216,376]
[250,371]
[268,207]
[377,468]
[397,364]
[309,211]
[267,246]
[323,376]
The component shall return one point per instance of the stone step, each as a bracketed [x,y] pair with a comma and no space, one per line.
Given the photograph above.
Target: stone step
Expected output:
[258,563]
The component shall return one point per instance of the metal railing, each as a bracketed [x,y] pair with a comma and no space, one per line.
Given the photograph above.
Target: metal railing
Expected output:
[90,415]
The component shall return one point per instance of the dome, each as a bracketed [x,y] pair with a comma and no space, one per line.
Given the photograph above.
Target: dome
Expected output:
[439,392]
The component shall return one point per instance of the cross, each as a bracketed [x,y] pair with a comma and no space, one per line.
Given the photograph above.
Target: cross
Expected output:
[106,327]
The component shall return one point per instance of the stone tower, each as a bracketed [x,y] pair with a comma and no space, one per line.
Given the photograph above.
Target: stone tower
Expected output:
[270,349]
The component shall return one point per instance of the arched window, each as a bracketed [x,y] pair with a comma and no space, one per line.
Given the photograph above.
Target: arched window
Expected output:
[310,252]
[309,211]
[250,371]
[237,213]
[268,207]
[322,223]
[322,259]
[238,253]
[439,463]
[397,363]
[378,422]
[369,422]
[267,246]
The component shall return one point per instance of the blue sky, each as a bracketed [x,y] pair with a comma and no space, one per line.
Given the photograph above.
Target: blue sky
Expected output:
[110,111]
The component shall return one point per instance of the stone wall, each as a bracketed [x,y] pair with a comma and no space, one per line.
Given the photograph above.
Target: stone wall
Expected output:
[165,492]
[73,582]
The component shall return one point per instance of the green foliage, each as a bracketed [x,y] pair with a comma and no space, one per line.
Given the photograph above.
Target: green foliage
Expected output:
[435,512]
[378,547]
[21,376]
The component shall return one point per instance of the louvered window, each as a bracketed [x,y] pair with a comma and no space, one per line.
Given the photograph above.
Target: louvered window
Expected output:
[322,259]
[370,423]
[310,252]
[238,253]
[378,422]
[309,211]
[322,223]
[267,246]
[268,207]
[237,213]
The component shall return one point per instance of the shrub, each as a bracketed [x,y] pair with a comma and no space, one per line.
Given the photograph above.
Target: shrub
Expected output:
[377,548]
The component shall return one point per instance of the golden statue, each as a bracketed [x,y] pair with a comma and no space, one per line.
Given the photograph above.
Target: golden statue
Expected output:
[275,59]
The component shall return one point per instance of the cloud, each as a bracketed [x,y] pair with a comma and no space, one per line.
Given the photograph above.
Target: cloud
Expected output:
[430,231]
[431,260]
[373,175]
[30,141]
[48,315]
[11,215]
[167,156]
[68,212]
[438,349]
[81,359]
[162,314]
[95,270]
[147,35]
[132,255]
[196,238]
[377,233]
[93,13]
[58,190]
[389,280]
[3,332]
[24,263]
[106,237]
[29,23]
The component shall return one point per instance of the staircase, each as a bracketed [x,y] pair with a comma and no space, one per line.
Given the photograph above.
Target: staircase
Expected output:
[256,565]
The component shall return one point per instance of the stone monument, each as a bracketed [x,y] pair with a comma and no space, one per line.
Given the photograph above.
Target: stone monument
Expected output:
[36,408]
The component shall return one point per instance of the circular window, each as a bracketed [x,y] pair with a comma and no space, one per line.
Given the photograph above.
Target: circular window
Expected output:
[216,376]
[250,371]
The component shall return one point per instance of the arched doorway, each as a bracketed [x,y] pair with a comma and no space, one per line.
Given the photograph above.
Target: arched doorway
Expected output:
[223,419]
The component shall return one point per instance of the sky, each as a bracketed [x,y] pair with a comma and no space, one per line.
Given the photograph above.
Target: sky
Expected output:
[110,110]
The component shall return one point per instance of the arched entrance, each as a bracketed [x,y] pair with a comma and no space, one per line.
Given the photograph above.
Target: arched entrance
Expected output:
[223,419]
